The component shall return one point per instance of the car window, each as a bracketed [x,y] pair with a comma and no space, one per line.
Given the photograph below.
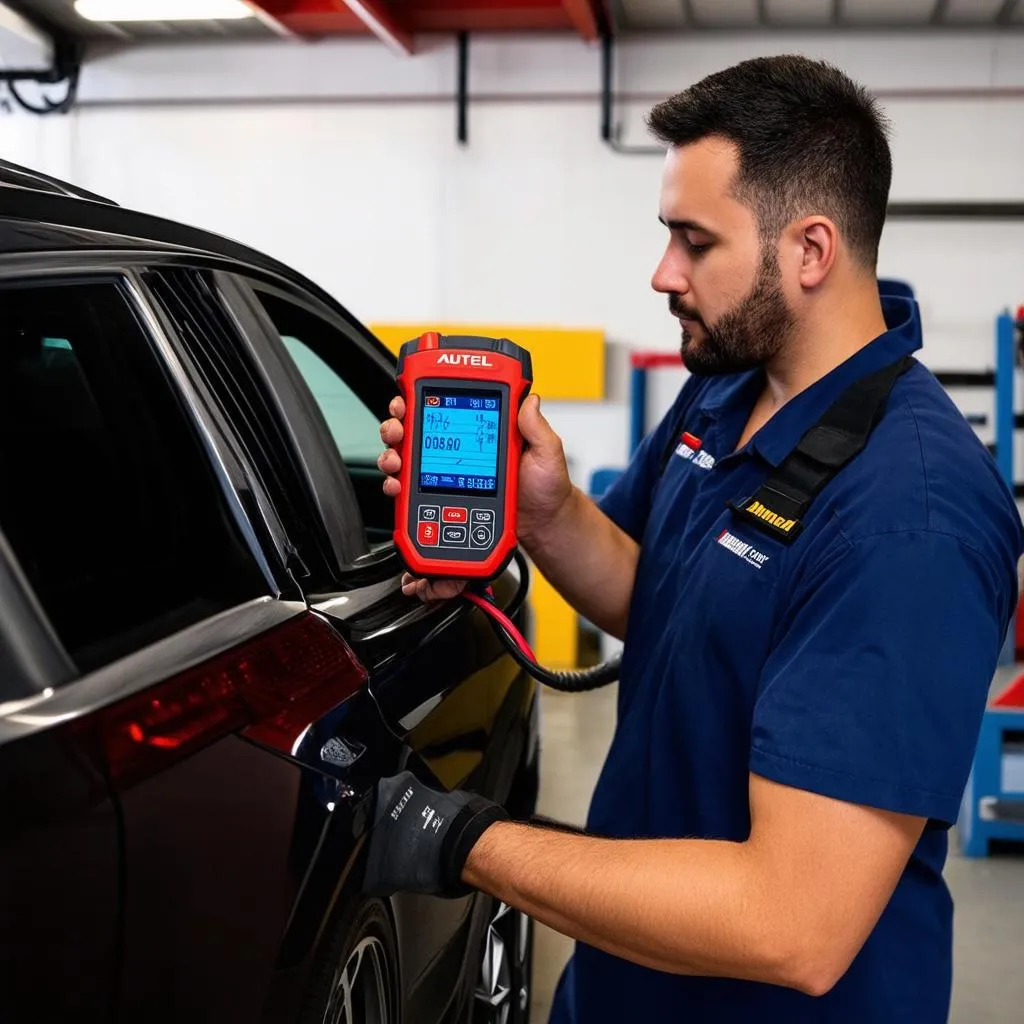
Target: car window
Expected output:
[352,393]
[355,429]
[106,494]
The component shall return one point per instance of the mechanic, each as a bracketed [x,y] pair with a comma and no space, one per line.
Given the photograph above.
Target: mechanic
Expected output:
[800,692]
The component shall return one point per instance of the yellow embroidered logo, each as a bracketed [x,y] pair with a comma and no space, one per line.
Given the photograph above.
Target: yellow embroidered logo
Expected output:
[770,517]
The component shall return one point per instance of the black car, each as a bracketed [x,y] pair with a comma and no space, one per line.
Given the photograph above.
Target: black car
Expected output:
[206,660]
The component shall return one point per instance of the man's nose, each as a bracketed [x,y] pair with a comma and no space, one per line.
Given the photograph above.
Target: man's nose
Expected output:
[669,276]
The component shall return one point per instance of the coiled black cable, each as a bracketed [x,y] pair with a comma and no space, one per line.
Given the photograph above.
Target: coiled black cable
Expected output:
[49,106]
[579,681]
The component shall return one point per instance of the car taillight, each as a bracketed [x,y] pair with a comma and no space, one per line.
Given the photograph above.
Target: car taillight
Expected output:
[272,687]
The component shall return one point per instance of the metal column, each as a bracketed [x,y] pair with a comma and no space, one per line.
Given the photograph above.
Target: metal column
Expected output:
[1006,381]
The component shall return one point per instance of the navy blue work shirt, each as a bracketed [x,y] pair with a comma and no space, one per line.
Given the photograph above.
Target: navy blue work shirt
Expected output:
[854,663]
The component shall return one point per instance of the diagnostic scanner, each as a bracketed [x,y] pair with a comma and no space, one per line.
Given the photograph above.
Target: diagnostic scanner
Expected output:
[456,515]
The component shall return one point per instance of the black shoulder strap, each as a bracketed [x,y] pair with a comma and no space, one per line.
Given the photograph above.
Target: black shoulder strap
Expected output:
[779,505]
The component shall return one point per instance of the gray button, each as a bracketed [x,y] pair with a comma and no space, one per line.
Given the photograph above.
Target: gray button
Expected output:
[483,515]
[429,513]
[453,535]
[482,536]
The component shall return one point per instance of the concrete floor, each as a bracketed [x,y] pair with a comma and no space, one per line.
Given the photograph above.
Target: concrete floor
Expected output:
[988,983]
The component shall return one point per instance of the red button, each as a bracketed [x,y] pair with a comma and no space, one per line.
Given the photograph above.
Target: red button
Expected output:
[691,442]
[426,533]
[455,515]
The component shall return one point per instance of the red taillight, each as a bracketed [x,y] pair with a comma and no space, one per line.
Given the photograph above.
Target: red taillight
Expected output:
[273,687]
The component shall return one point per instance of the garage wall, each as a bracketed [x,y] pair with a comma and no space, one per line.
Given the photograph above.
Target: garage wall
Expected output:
[341,159]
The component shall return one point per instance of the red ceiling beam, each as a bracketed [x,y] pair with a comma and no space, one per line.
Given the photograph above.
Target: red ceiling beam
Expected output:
[379,20]
[485,15]
[274,24]
[344,17]
[546,17]
[312,17]
[583,17]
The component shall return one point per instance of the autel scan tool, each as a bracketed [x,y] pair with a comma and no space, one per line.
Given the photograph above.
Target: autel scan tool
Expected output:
[456,514]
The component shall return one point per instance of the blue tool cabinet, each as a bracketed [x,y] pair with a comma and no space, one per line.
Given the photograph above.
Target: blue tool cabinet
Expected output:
[993,803]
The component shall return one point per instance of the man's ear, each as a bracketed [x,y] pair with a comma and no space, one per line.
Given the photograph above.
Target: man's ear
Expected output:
[816,240]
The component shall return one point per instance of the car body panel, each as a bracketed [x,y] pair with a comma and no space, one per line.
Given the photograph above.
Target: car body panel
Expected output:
[211,880]
[60,870]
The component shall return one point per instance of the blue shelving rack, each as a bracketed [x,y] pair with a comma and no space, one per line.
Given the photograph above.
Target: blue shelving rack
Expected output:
[993,804]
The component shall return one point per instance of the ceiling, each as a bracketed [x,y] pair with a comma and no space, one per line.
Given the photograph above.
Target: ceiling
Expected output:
[397,22]
[803,14]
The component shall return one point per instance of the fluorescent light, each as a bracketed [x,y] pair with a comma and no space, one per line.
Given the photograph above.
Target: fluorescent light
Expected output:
[162,10]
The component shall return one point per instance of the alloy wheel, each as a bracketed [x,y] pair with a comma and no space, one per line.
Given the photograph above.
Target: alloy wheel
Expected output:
[503,992]
[360,990]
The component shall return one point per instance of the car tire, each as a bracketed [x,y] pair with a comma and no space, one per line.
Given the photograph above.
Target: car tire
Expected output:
[505,981]
[356,976]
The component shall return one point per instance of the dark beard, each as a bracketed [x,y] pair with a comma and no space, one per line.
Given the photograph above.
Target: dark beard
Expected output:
[749,335]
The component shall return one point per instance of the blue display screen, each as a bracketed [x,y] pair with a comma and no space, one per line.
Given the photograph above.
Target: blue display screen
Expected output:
[459,440]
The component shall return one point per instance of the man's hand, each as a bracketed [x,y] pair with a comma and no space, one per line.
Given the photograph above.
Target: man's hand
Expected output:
[421,837]
[544,483]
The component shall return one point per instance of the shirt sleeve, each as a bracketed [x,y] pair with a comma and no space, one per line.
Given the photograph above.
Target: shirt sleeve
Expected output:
[874,692]
[628,501]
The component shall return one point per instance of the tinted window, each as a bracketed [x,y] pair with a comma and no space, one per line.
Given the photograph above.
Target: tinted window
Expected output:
[106,494]
[335,372]
[356,430]
[352,393]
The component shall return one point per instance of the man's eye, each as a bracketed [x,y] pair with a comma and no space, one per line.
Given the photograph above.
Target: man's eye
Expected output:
[695,248]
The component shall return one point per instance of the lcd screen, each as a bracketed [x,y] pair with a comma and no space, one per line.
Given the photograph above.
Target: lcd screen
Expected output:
[459,441]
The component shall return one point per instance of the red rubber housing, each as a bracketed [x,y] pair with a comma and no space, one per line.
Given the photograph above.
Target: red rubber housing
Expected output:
[423,365]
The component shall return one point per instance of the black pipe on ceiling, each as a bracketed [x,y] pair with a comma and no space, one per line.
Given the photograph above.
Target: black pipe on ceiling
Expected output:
[462,97]
[65,68]
[610,129]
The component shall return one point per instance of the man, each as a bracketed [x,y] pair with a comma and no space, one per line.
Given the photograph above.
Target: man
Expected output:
[800,694]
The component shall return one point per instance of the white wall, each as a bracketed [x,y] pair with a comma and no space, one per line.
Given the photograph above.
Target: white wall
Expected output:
[341,159]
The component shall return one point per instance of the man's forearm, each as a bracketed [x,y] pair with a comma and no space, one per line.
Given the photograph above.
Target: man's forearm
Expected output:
[683,906]
[588,560]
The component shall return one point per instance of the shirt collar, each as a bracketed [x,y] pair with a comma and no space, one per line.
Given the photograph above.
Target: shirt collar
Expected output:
[781,434]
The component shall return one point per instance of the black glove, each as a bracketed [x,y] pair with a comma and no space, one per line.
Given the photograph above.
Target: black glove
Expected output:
[421,838]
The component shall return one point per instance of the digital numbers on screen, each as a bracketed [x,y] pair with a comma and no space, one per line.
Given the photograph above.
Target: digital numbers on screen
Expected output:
[459,442]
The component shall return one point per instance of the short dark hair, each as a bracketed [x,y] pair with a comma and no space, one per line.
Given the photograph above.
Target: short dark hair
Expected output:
[810,140]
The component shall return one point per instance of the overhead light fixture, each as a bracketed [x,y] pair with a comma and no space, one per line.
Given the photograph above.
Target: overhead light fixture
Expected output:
[163,10]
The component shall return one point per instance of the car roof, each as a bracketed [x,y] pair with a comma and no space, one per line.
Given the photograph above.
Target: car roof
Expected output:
[15,176]
[40,213]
